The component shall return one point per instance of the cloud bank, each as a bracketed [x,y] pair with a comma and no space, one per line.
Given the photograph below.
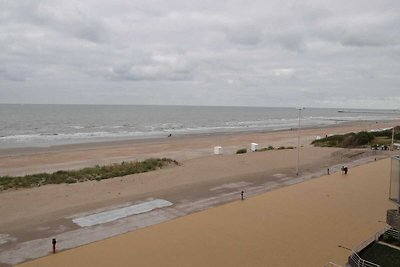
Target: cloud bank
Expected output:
[257,53]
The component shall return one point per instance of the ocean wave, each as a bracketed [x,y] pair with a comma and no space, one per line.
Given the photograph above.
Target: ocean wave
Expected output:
[20,138]
[261,122]
[149,131]
[99,129]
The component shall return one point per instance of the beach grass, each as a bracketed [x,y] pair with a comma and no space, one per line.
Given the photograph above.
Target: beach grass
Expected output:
[273,148]
[265,149]
[86,174]
[357,140]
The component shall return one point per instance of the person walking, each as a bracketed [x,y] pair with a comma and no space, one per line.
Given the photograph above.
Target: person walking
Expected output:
[242,194]
[54,242]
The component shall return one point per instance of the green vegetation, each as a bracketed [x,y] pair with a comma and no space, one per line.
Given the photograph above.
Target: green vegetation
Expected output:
[381,141]
[92,173]
[285,147]
[273,148]
[241,151]
[360,139]
[265,149]
[382,255]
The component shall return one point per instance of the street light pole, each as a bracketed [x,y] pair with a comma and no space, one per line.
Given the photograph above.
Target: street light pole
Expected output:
[298,143]
[391,147]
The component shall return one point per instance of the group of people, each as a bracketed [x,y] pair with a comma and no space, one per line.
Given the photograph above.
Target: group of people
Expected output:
[344,170]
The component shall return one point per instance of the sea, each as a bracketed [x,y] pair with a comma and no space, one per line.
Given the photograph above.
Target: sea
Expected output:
[28,125]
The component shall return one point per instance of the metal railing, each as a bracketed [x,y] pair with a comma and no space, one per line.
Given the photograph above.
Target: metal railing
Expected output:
[371,239]
[393,233]
[359,262]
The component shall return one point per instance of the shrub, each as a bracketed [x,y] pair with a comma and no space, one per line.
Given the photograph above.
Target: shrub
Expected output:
[70,181]
[363,138]
[348,140]
[241,151]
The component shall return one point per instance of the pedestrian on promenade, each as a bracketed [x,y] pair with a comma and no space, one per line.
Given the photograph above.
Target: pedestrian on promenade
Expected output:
[54,242]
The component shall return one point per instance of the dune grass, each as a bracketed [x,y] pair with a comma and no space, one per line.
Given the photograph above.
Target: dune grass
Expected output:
[273,148]
[86,174]
[360,139]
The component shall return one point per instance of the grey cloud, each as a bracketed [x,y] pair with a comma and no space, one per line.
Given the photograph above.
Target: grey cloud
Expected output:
[292,39]
[200,52]
[245,34]
[16,75]
[156,67]
[292,30]
[370,29]
[47,15]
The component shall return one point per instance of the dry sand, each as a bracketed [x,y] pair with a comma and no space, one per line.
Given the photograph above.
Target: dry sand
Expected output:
[299,225]
[37,214]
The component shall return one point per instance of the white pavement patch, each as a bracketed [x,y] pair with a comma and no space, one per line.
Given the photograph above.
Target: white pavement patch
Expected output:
[33,249]
[231,186]
[112,215]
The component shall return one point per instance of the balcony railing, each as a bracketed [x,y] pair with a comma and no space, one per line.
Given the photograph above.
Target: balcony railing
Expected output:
[393,219]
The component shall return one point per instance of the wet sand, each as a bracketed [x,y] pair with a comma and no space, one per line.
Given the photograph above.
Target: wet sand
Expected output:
[298,225]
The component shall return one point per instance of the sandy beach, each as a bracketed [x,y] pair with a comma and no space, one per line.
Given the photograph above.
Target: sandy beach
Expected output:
[299,225]
[31,217]
[179,133]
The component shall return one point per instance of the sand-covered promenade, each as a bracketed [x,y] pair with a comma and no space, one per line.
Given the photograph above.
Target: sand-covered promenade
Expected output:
[281,209]
[298,225]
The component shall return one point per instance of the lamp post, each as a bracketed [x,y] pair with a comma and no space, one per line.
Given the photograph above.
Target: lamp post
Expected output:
[391,147]
[298,143]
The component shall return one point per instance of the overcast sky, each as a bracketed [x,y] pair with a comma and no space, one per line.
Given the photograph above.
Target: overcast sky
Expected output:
[190,52]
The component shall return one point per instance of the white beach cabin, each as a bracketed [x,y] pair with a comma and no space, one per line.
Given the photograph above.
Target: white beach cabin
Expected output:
[253,147]
[218,150]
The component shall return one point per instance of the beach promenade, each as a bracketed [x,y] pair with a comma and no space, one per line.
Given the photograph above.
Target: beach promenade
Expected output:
[298,225]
